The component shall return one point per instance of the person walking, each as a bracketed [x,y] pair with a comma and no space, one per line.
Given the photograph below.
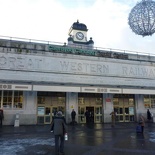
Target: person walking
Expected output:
[87,115]
[142,122]
[92,116]
[73,114]
[59,128]
[149,116]
[113,116]
[1,117]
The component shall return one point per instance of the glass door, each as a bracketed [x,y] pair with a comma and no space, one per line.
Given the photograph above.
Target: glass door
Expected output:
[47,116]
[124,108]
[48,103]
[126,114]
[119,114]
[40,114]
[62,109]
[54,111]
[81,114]
[98,114]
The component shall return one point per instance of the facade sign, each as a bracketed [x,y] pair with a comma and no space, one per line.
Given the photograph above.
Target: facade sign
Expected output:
[21,46]
[131,110]
[108,99]
[77,66]
[41,110]
[84,71]
[78,51]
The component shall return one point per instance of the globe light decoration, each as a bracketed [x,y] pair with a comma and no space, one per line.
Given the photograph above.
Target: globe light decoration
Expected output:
[142,18]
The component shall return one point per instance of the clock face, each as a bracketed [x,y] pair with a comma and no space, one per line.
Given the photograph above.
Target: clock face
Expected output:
[79,35]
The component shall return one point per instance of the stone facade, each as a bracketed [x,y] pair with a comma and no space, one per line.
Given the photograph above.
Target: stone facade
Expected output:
[33,67]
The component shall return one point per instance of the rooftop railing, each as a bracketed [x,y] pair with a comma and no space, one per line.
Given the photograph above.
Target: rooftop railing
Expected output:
[61,44]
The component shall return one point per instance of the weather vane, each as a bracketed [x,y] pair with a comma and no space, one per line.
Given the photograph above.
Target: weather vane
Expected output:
[142,18]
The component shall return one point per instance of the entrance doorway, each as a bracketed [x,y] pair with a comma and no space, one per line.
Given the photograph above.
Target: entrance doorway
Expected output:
[96,116]
[48,103]
[91,114]
[92,103]
[124,107]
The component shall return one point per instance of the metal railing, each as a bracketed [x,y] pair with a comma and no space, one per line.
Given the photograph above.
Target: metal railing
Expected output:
[61,44]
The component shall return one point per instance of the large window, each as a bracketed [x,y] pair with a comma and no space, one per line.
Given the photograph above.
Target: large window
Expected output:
[149,101]
[89,98]
[18,99]
[11,99]
[7,99]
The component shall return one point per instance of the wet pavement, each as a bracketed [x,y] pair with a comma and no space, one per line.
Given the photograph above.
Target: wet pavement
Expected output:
[92,139]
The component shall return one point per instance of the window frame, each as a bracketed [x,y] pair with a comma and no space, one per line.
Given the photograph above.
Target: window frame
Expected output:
[10,96]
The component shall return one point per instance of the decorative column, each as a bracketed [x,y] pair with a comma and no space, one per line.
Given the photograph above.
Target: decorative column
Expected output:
[71,103]
[107,107]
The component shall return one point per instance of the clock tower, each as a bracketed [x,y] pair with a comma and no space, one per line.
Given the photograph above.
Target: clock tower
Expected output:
[78,36]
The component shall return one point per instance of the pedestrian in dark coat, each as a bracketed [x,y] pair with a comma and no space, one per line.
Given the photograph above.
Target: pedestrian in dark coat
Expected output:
[1,117]
[113,118]
[73,114]
[87,114]
[149,115]
[59,129]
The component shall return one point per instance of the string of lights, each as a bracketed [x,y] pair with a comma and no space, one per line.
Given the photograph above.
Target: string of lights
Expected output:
[142,18]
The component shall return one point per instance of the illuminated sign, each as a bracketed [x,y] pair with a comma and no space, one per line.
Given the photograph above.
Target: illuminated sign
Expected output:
[29,47]
[68,50]
[78,51]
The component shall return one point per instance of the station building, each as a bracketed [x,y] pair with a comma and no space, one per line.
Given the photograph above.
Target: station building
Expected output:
[39,77]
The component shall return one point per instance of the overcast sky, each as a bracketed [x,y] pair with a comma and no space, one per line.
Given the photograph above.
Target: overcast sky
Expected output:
[106,20]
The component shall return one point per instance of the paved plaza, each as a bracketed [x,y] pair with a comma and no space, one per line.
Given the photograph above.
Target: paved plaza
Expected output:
[91,139]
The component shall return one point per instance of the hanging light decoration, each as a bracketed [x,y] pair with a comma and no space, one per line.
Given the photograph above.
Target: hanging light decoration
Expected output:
[142,18]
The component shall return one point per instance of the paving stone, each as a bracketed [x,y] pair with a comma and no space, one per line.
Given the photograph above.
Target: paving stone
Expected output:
[91,139]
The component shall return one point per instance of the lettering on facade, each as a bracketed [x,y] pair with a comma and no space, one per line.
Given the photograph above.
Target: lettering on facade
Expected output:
[68,50]
[90,90]
[21,87]
[102,90]
[138,71]
[84,67]
[98,53]
[20,62]
[5,86]
[105,54]
[22,46]
[112,90]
